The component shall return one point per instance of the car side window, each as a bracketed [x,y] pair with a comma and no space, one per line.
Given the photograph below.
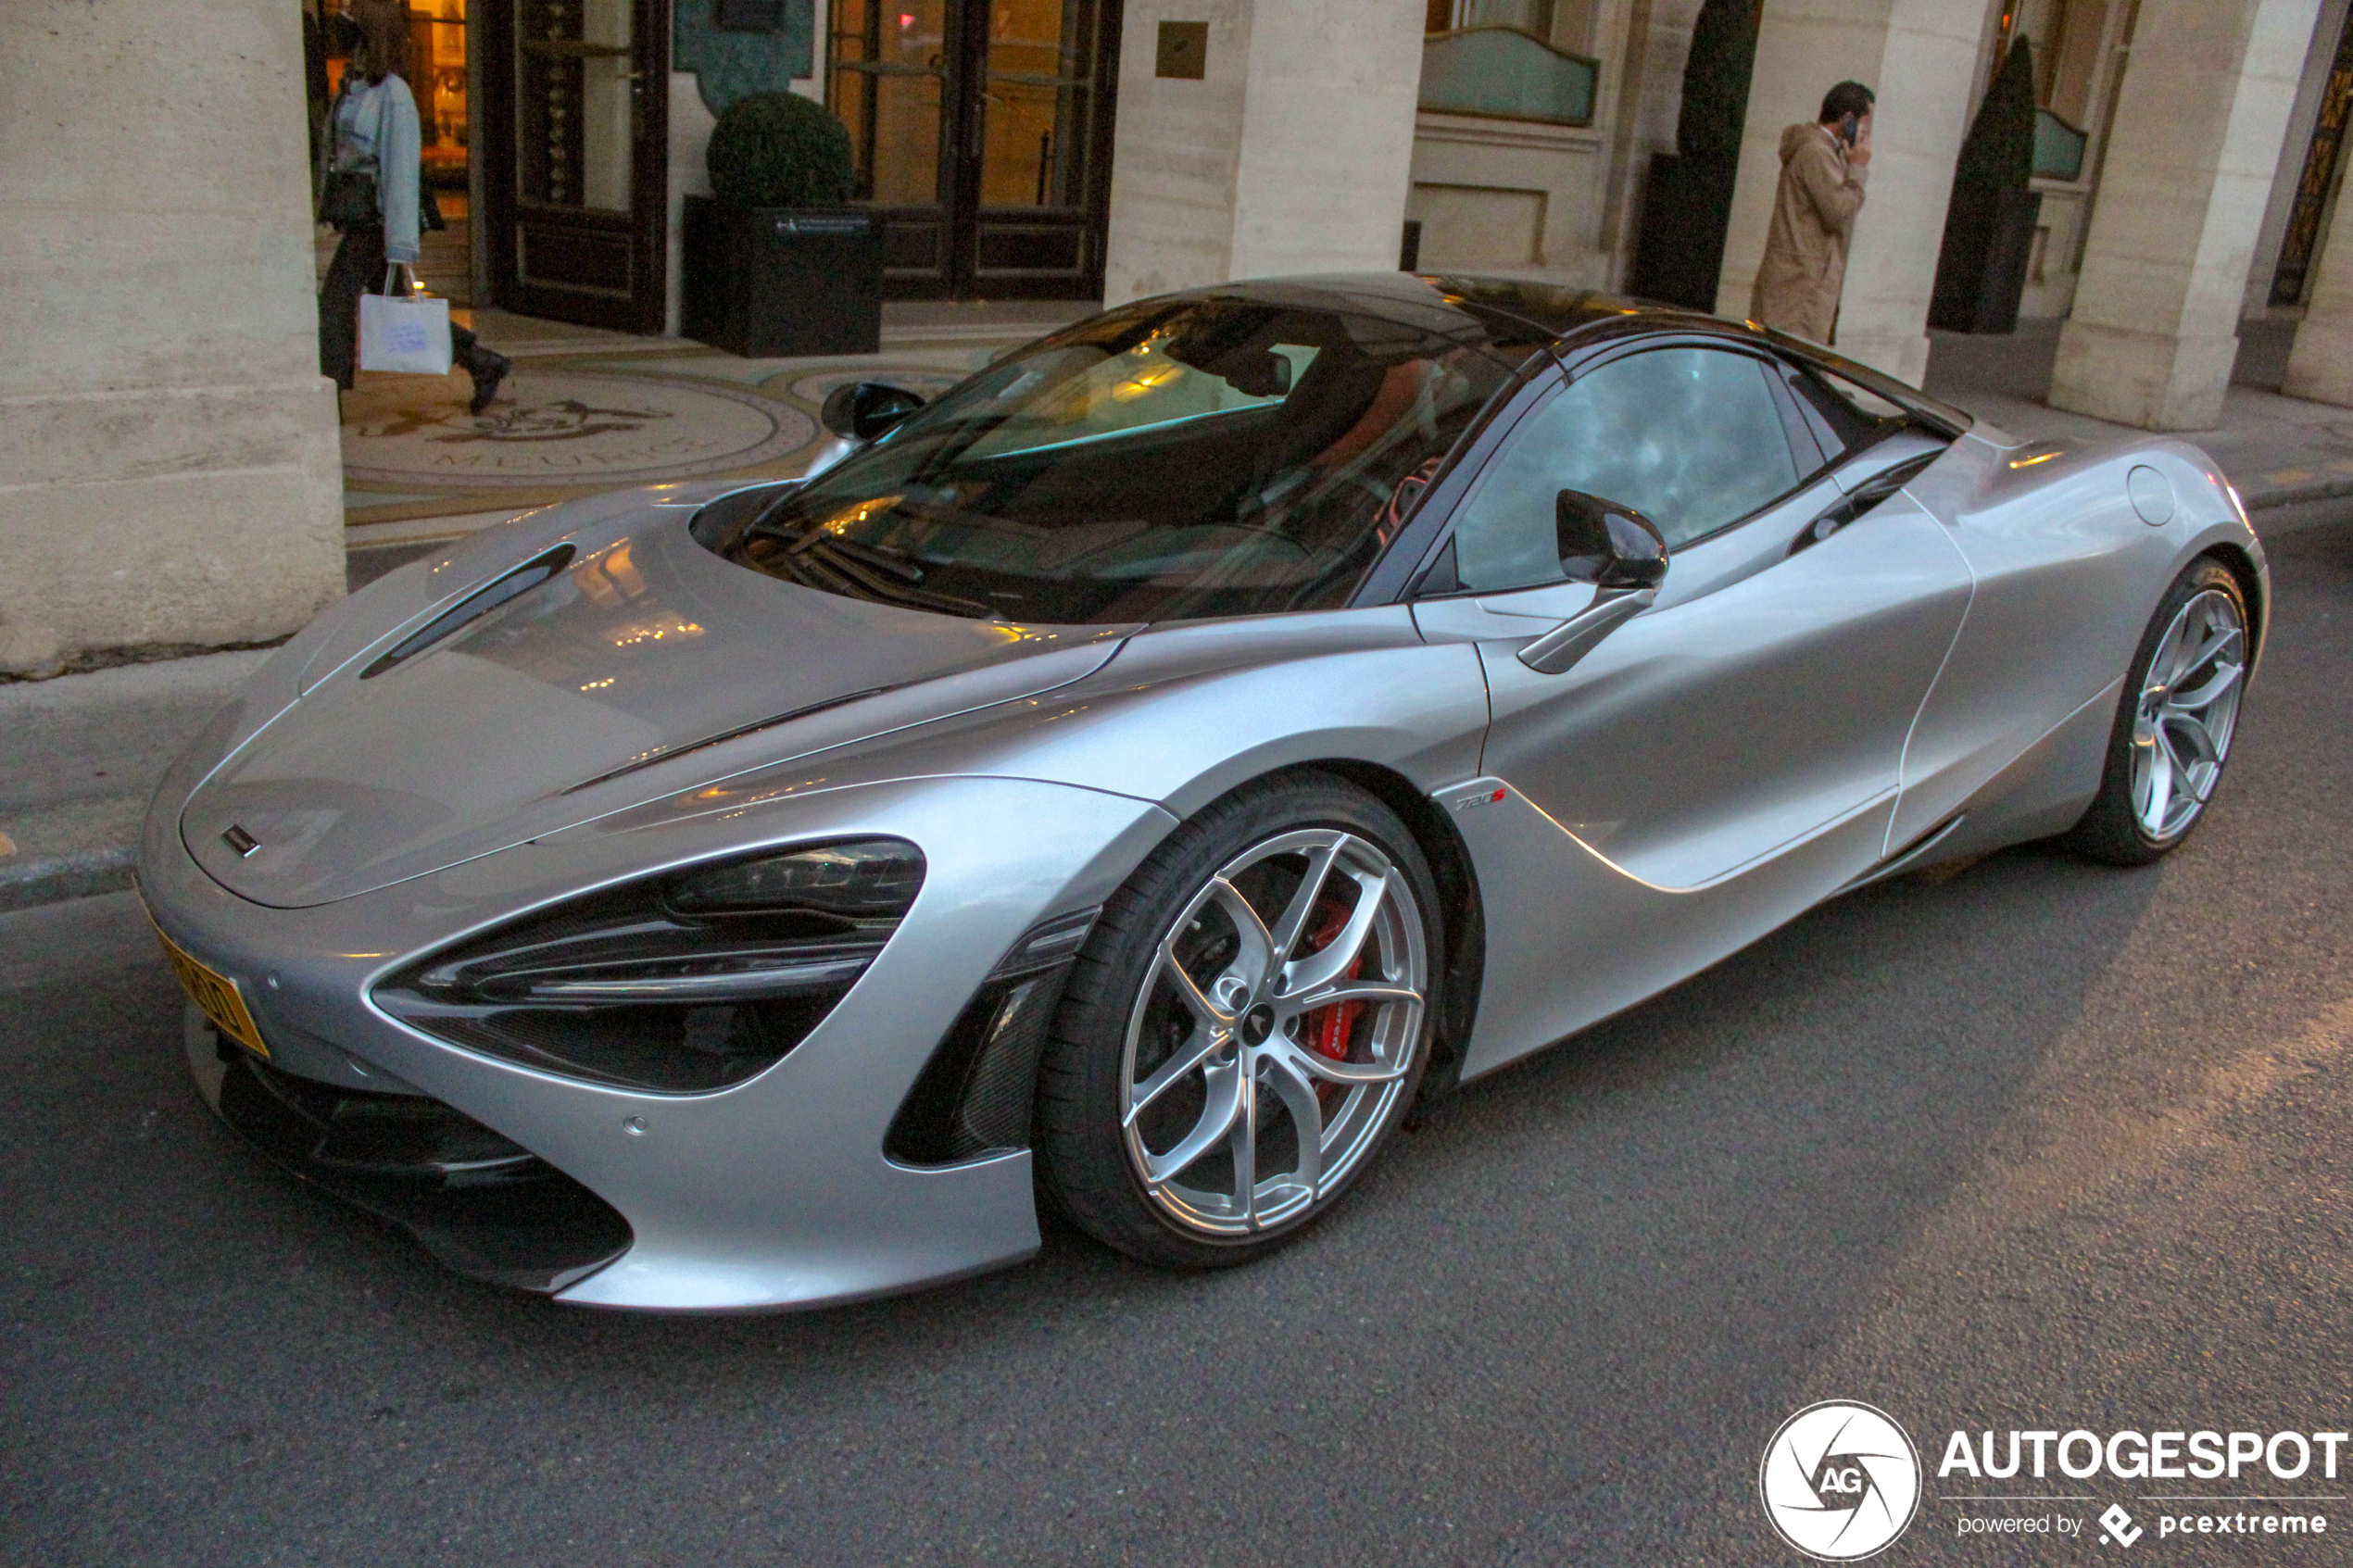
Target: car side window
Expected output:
[1692,438]
[1844,416]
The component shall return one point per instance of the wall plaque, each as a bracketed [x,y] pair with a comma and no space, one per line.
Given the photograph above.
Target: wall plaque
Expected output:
[1184,51]
[751,16]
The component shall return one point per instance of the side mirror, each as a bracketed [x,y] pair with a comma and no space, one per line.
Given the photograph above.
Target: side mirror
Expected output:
[864,409]
[1616,549]
[1607,544]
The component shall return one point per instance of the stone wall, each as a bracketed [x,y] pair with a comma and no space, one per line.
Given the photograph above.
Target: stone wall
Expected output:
[2196,143]
[1558,203]
[169,471]
[1290,155]
[1917,54]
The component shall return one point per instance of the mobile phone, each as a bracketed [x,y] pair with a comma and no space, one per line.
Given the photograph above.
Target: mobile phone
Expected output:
[1847,126]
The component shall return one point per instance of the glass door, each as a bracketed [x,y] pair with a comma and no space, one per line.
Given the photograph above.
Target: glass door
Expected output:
[1043,130]
[982,129]
[577,178]
[893,71]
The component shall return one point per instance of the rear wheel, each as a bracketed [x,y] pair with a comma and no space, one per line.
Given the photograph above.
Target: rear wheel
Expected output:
[1246,1028]
[2174,729]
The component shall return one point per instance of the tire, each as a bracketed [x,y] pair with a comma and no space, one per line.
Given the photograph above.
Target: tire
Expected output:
[2169,745]
[1174,1033]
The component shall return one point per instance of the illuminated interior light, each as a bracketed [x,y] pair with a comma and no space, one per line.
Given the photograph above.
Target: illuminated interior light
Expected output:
[851,517]
[1144,382]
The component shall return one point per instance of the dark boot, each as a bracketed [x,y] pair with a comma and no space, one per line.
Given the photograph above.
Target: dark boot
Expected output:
[488,370]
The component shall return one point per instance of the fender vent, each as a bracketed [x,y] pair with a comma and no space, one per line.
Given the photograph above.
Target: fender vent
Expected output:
[973,1097]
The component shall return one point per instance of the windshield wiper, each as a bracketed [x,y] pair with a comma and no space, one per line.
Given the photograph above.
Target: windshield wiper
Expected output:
[863,554]
[828,565]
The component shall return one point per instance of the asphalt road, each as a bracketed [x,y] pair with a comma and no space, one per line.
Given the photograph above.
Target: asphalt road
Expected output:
[2040,1145]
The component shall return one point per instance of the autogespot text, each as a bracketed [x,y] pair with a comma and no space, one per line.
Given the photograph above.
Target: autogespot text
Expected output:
[2145,1456]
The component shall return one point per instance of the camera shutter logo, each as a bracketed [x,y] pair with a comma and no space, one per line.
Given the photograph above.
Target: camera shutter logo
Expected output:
[1839,1481]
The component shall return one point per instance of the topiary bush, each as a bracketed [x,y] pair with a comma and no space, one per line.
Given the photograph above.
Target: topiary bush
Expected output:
[1716,77]
[780,149]
[1989,225]
[1999,152]
[1687,203]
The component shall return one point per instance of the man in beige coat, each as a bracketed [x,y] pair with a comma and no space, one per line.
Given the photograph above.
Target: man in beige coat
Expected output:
[1814,209]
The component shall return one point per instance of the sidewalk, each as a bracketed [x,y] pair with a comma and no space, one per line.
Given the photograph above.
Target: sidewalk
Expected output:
[2279,451]
[84,755]
[586,411]
[85,751]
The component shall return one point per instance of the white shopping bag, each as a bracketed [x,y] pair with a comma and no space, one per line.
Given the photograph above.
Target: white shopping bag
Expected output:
[409,334]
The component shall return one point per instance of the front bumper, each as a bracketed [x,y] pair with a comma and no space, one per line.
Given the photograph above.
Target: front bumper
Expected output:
[776,1191]
[480,1203]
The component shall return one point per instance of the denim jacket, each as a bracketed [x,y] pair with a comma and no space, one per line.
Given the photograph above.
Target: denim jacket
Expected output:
[375,132]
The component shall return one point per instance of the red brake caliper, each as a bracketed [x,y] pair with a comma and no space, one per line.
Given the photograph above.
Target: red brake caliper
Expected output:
[1330,1029]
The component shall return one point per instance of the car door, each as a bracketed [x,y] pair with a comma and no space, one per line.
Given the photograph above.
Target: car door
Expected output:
[1760,703]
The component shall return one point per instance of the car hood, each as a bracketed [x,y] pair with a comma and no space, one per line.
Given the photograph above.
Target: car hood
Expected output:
[647,664]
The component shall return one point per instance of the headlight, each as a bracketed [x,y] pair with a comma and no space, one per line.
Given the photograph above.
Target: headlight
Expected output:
[874,878]
[679,984]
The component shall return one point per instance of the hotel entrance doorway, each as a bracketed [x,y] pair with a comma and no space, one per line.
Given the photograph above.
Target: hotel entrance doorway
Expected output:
[982,132]
[576,118]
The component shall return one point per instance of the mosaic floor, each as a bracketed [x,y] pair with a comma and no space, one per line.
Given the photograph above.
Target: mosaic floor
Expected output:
[587,414]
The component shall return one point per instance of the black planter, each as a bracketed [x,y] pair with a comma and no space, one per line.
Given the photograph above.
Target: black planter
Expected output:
[772,283]
[1980,272]
[1686,208]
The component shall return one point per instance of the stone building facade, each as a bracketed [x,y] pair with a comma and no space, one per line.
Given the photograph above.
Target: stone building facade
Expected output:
[169,471]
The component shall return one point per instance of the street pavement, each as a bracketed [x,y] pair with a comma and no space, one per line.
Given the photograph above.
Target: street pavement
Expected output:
[2040,1145]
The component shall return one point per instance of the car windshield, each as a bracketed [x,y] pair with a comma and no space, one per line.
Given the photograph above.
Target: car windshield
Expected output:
[1188,460]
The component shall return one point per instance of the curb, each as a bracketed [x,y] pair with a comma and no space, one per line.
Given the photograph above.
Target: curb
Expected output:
[2296,494]
[53,879]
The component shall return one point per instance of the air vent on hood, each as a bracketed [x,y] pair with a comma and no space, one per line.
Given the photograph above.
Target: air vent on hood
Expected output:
[474,606]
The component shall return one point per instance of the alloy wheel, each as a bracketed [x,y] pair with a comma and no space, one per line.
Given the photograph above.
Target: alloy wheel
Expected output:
[2187,708]
[1274,1032]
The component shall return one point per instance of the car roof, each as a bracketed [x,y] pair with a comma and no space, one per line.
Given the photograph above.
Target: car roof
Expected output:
[1561,310]
[1588,314]
[1517,318]
[1466,307]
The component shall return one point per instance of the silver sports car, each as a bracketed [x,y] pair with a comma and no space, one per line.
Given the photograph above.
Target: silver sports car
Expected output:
[1128,783]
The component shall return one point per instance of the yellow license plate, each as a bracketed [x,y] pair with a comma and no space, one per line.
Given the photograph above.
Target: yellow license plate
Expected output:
[215,995]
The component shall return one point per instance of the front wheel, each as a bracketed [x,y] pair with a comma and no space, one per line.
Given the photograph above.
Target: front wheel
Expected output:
[1246,1027]
[2173,728]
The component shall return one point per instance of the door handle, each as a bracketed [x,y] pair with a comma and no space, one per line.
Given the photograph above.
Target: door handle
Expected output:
[1562,647]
